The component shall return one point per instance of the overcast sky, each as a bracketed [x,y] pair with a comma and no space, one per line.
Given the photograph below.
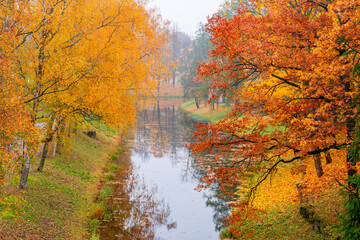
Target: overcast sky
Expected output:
[187,13]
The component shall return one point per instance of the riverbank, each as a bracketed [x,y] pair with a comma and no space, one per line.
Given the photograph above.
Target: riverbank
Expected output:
[60,200]
[205,112]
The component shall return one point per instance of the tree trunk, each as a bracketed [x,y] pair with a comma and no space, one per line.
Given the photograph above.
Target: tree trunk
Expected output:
[159,114]
[307,211]
[197,102]
[59,145]
[55,147]
[328,157]
[43,155]
[174,78]
[25,172]
[318,165]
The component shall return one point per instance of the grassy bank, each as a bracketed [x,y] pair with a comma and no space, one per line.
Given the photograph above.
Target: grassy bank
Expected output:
[205,113]
[59,201]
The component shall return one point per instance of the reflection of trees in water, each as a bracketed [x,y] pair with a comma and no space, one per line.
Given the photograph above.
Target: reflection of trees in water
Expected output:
[217,202]
[157,133]
[214,198]
[165,131]
[135,212]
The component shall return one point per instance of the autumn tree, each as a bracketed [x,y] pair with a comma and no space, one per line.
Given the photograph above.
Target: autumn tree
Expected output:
[287,66]
[87,60]
[15,126]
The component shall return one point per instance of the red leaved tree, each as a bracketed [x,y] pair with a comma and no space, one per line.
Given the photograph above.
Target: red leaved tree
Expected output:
[288,66]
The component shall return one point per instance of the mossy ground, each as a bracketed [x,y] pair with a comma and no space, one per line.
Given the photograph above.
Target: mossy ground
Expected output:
[59,200]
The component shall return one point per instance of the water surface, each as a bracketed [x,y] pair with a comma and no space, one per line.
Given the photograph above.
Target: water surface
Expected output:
[161,180]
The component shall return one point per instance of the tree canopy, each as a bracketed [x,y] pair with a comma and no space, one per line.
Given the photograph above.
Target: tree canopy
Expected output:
[289,68]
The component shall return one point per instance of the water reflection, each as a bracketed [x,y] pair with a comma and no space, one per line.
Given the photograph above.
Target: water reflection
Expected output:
[135,211]
[163,132]
[157,129]
[171,174]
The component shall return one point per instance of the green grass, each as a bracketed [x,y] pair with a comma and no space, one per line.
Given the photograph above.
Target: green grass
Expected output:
[73,170]
[59,199]
[205,114]
[198,118]
[215,117]
[113,167]
[104,128]
[188,104]
[105,192]
[120,151]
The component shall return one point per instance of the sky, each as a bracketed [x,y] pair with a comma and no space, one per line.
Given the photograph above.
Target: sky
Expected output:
[187,13]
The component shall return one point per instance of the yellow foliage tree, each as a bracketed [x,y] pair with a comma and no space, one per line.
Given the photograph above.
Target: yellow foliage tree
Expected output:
[87,60]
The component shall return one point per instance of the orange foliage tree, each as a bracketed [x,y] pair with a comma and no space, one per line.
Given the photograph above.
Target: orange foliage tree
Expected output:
[78,61]
[288,66]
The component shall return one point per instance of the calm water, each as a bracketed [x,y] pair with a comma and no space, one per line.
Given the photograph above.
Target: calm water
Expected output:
[155,196]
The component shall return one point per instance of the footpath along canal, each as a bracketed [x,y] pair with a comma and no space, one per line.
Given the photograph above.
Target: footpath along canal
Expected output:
[154,192]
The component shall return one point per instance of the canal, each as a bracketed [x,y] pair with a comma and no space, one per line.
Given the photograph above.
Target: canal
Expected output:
[155,196]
